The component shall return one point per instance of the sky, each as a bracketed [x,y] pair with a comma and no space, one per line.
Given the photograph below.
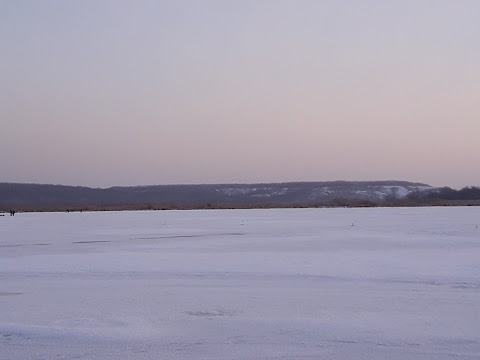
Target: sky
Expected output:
[103,93]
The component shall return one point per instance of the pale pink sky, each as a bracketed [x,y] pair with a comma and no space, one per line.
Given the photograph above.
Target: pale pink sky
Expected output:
[103,93]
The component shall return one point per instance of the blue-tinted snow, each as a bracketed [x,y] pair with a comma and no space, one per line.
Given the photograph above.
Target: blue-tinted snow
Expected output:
[398,283]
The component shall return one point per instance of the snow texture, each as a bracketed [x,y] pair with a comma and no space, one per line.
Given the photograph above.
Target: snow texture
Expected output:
[396,283]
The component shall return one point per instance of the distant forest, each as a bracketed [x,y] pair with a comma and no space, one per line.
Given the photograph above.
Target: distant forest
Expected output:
[38,197]
[446,193]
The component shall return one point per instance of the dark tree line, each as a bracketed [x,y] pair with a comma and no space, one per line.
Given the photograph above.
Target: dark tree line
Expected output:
[447,193]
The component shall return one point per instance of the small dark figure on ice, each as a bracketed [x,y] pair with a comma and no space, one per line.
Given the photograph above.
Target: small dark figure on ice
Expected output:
[12,212]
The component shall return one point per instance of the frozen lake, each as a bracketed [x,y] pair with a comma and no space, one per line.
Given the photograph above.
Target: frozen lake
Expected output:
[396,283]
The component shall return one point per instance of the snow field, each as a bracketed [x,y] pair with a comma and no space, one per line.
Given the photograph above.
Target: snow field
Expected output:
[396,283]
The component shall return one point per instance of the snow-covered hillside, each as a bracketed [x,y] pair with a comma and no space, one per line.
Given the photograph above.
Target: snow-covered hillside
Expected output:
[317,192]
[231,194]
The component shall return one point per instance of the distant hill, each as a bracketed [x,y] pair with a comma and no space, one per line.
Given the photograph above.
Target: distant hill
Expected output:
[287,194]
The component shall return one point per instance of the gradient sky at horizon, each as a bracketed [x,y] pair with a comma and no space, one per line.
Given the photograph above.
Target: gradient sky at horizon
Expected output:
[103,93]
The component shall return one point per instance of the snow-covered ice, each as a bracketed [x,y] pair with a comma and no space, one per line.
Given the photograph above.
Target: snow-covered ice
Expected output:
[401,283]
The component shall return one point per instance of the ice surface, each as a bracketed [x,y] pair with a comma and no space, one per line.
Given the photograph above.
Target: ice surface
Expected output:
[397,283]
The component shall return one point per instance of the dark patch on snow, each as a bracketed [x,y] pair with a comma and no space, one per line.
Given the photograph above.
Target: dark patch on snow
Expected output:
[187,236]
[6,293]
[466,286]
[211,313]
[91,242]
